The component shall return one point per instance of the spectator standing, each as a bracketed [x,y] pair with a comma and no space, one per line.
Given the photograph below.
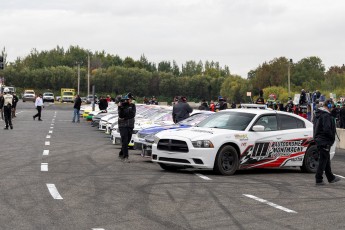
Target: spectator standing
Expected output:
[221,105]
[103,104]
[14,106]
[108,98]
[212,106]
[342,116]
[7,106]
[181,110]
[126,112]
[324,136]
[153,101]
[38,105]
[2,106]
[76,108]
[260,100]
[204,105]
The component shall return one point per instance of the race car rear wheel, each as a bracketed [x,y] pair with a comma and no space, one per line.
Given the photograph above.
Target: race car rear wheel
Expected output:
[168,167]
[311,160]
[226,161]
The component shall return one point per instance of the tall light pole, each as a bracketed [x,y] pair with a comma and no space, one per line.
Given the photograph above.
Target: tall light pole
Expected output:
[289,66]
[88,74]
[78,78]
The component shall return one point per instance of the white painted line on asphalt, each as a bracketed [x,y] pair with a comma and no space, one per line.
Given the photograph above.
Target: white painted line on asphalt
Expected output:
[44,167]
[45,152]
[339,176]
[48,136]
[50,131]
[47,143]
[53,120]
[52,124]
[19,112]
[52,127]
[54,192]
[202,176]
[270,203]
[97,228]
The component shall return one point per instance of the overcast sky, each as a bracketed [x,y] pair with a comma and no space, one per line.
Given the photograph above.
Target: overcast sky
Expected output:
[239,33]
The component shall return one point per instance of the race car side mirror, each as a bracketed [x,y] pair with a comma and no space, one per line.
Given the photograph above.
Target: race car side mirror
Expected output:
[258,128]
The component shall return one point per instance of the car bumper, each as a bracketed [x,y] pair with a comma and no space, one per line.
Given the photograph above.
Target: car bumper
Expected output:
[197,158]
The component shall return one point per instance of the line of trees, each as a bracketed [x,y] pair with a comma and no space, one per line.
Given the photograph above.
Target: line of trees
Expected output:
[57,68]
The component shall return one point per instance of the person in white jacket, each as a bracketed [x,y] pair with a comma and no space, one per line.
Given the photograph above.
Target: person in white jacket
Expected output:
[39,105]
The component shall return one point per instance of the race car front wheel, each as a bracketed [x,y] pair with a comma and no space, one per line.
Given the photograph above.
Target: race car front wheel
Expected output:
[226,161]
[311,160]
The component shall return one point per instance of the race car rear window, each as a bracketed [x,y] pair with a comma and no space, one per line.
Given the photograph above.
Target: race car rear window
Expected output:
[289,122]
[229,120]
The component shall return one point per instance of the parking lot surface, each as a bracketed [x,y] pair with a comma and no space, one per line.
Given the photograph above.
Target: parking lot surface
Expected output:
[56,174]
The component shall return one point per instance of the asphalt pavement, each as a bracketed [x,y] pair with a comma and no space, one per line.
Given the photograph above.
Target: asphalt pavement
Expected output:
[56,174]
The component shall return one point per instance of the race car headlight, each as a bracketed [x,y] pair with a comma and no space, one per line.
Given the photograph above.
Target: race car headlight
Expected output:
[156,139]
[203,144]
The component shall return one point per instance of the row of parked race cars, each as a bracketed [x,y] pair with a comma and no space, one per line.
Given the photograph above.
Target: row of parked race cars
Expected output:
[226,141]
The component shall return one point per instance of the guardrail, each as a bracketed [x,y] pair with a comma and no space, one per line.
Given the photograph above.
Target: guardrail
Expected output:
[341,134]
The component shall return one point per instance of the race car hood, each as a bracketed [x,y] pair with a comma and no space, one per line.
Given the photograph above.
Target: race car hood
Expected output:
[156,129]
[194,133]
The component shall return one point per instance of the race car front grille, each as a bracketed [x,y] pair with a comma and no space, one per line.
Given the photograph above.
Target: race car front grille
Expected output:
[176,160]
[172,145]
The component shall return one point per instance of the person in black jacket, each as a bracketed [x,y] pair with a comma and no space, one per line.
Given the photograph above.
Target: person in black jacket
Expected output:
[126,111]
[77,104]
[181,110]
[103,103]
[2,105]
[14,106]
[324,136]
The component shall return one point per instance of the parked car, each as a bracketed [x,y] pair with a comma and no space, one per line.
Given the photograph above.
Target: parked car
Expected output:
[48,96]
[146,136]
[240,139]
[90,99]
[29,95]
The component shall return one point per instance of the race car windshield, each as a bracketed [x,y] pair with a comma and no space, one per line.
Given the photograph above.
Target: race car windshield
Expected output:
[231,120]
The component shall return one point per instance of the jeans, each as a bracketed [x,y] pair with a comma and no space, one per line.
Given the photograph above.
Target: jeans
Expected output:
[324,164]
[76,114]
[39,109]
[7,114]
[126,136]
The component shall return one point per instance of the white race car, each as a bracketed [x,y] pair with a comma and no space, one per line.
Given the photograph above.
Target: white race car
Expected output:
[240,139]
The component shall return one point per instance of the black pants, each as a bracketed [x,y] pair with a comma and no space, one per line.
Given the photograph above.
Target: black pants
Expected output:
[39,109]
[7,115]
[126,136]
[324,164]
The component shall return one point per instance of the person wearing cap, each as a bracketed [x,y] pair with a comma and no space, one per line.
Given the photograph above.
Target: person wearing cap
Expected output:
[221,105]
[126,119]
[324,136]
[7,107]
[181,110]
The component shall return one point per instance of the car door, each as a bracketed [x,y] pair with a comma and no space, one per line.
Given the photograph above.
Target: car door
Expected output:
[258,152]
[294,141]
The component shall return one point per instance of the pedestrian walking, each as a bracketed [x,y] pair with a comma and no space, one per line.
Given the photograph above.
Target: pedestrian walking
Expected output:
[204,105]
[76,108]
[7,107]
[103,103]
[126,112]
[324,136]
[38,105]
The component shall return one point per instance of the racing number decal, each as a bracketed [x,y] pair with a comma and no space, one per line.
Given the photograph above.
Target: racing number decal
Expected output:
[268,154]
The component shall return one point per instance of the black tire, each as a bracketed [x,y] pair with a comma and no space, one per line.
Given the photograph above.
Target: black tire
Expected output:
[23,101]
[168,167]
[226,162]
[311,160]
